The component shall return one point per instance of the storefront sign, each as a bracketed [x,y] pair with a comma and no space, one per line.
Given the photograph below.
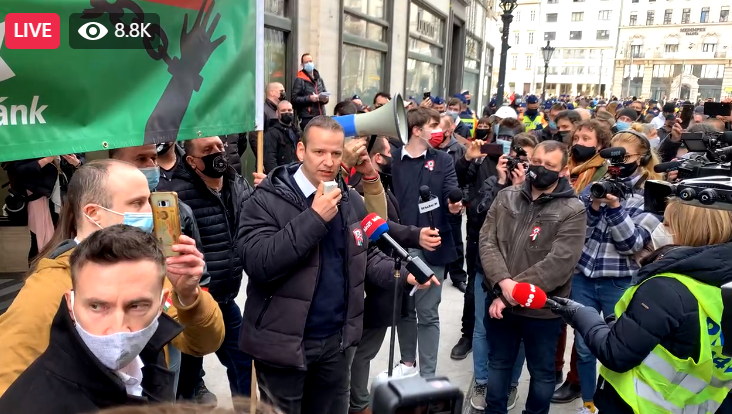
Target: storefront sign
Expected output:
[693,31]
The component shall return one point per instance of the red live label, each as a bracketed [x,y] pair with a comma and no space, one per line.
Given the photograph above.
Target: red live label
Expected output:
[32,31]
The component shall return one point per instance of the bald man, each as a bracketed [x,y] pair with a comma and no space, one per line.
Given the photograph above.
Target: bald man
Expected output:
[274,93]
[585,114]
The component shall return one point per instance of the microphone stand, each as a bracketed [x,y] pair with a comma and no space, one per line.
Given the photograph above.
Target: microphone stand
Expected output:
[394,314]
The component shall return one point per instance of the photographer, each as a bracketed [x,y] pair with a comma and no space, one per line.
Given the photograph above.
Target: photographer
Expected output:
[658,349]
[617,229]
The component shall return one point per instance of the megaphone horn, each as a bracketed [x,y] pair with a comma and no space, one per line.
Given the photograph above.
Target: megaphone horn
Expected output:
[389,120]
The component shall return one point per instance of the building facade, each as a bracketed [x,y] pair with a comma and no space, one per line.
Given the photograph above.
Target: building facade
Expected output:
[361,47]
[524,41]
[674,49]
[584,35]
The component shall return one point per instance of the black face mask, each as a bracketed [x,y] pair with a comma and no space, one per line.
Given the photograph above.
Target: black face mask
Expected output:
[283,96]
[581,153]
[482,134]
[541,178]
[286,118]
[386,166]
[532,112]
[214,165]
[626,170]
[162,149]
[561,135]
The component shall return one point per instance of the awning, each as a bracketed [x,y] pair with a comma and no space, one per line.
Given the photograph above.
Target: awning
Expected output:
[636,42]
[712,40]
[672,41]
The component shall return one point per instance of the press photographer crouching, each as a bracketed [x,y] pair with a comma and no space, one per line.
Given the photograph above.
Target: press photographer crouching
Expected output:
[664,353]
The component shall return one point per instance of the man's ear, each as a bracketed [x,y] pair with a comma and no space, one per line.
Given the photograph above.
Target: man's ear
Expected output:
[564,172]
[93,212]
[190,162]
[300,151]
[70,303]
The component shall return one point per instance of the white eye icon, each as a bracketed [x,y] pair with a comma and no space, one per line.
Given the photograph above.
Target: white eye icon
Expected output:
[92,31]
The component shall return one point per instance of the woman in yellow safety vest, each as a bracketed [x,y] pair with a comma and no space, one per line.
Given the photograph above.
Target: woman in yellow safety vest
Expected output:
[664,353]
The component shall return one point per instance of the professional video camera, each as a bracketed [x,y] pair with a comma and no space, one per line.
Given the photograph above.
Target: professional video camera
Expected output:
[707,192]
[514,162]
[711,156]
[612,184]
[416,395]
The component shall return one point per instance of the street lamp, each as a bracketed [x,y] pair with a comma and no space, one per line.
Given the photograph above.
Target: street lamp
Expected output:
[547,51]
[508,6]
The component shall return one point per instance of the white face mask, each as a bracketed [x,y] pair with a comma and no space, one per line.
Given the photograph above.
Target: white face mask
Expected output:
[117,350]
[661,237]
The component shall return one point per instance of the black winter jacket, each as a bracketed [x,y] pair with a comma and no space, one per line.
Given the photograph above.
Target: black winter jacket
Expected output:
[472,175]
[68,379]
[305,86]
[231,146]
[279,148]
[662,312]
[279,243]
[218,235]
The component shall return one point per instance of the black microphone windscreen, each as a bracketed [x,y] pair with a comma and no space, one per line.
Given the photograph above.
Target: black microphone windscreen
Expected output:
[455,195]
[666,166]
[613,152]
[424,192]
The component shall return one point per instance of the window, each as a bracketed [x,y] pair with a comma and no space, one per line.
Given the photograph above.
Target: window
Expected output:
[552,2]
[633,19]
[578,16]
[550,36]
[573,53]
[634,1]
[575,35]
[516,38]
[363,54]
[633,70]
[712,71]
[363,28]
[533,15]
[685,16]
[551,17]
[531,38]
[704,18]
[514,62]
[603,34]
[650,16]
[663,71]
[518,15]
[528,62]
[362,71]
[275,55]
[671,48]
[709,47]
[604,15]
[636,51]
[667,16]
[425,54]
[578,1]
[724,14]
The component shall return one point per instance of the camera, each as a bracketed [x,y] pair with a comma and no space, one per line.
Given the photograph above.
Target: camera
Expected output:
[710,155]
[706,192]
[513,162]
[611,184]
[416,395]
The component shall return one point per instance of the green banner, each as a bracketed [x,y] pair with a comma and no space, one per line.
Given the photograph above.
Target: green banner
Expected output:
[164,70]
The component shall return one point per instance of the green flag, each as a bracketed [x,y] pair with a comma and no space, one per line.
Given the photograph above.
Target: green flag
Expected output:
[190,73]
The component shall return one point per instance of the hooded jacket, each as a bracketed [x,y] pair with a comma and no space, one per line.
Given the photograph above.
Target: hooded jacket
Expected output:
[280,244]
[305,86]
[68,379]
[509,249]
[279,145]
[25,328]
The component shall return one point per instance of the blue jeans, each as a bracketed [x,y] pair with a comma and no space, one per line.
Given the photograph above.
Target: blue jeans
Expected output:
[601,294]
[238,364]
[480,343]
[540,338]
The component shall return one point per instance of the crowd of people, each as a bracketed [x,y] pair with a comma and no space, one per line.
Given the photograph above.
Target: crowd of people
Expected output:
[106,320]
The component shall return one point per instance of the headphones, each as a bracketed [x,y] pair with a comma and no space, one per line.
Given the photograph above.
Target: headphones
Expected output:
[645,159]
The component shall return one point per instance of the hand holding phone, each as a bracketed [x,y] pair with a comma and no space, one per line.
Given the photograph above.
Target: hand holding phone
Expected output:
[166,220]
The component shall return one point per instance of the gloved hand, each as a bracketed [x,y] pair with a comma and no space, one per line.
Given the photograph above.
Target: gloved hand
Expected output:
[566,308]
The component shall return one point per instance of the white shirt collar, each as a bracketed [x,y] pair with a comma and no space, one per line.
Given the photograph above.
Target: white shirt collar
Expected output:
[305,185]
[406,154]
[131,376]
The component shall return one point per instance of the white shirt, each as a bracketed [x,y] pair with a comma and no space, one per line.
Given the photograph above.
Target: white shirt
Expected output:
[305,185]
[406,154]
[131,376]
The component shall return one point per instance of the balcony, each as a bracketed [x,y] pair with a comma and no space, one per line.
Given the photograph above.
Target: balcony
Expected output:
[722,55]
[680,55]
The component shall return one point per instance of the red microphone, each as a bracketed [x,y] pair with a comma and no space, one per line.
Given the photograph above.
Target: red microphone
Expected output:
[529,296]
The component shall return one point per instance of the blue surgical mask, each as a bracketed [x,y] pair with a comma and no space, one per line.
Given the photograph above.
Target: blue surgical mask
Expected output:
[143,221]
[153,176]
[309,67]
[506,145]
[622,126]
[552,125]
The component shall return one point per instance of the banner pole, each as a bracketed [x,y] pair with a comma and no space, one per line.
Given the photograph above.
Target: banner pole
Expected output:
[260,151]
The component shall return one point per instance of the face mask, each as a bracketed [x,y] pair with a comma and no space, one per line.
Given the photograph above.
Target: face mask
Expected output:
[386,166]
[164,148]
[622,125]
[626,170]
[117,350]
[532,112]
[481,133]
[309,67]
[562,135]
[661,237]
[541,178]
[153,177]
[581,153]
[655,142]
[436,138]
[143,221]
[552,125]
[286,118]
[495,129]
[214,165]
[506,145]
[283,96]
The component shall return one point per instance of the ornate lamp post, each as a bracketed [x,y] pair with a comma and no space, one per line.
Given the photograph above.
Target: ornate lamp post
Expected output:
[547,52]
[508,6]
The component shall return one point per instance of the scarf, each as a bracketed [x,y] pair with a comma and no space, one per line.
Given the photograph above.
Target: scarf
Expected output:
[581,175]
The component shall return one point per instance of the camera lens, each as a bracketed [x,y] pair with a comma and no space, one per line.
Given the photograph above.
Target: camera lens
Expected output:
[687,194]
[708,196]
[601,189]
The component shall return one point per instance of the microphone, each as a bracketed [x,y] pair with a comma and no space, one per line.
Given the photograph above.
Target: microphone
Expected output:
[666,166]
[529,296]
[610,153]
[376,228]
[454,195]
[428,204]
